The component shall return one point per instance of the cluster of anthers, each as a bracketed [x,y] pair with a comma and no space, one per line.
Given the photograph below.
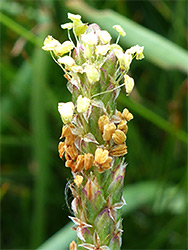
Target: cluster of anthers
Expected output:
[114,137]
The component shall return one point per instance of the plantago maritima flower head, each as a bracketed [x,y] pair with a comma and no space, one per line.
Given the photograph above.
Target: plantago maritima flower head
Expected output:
[93,138]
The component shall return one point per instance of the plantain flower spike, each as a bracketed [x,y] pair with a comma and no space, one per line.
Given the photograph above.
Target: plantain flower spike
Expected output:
[94,134]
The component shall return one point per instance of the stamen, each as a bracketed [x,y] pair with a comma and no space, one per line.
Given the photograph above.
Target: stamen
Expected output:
[108,91]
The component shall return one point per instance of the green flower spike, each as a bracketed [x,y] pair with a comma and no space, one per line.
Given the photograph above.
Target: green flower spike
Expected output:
[94,134]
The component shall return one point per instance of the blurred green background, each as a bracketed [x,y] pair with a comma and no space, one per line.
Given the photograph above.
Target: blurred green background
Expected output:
[33,178]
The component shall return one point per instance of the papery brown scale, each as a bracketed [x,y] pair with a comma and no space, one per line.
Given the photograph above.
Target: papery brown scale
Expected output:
[108,131]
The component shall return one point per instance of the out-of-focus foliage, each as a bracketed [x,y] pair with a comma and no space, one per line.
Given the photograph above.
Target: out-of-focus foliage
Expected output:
[33,178]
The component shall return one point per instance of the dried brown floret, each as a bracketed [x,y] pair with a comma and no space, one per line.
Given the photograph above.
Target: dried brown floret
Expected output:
[79,164]
[103,120]
[73,246]
[61,149]
[119,150]
[88,161]
[118,136]
[67,156]
[66,132]
[72,151]
[118,113]
[123,126]
[127,115]
[102,160]
[70,164]
[108,131]
[78,180]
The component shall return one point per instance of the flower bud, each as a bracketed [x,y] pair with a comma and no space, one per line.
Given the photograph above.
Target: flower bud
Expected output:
[129,84]
[91,188]
[92,73]
[66,111]
[83,104]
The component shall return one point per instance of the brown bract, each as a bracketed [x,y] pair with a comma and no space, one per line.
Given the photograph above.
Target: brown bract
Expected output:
[102,160]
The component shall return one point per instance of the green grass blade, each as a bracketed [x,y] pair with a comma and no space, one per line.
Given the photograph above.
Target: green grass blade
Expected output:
[157,49]
[60,240]
[41,139]
[154,118]
[19,29]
